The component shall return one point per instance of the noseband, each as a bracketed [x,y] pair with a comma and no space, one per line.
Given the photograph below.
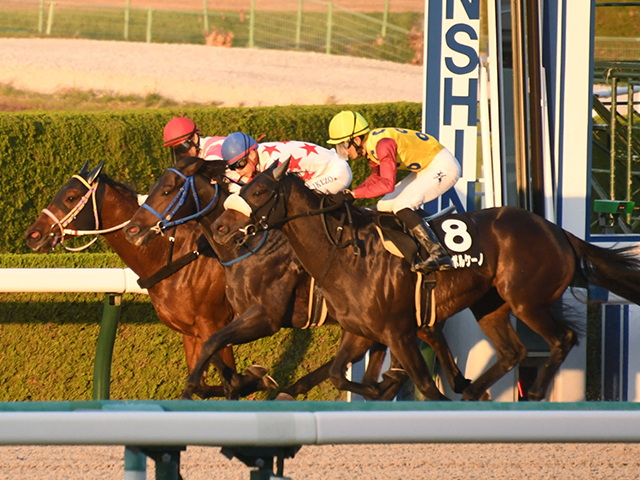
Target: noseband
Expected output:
[64,222]
[165,218]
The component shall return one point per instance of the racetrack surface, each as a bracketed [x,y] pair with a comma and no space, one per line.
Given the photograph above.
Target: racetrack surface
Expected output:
[349,462]
[231,77]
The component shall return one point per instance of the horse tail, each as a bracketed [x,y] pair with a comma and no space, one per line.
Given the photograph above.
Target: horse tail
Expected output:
[616,269]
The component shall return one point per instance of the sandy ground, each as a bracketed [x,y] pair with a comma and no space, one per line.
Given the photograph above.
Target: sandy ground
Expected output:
[252,77]
[230,76]
[370,462]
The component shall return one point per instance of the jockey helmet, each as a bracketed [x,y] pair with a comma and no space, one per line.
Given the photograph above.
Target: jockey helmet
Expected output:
[345,126]
[237,146]
[178,130]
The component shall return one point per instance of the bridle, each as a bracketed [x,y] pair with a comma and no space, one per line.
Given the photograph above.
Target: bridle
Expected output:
[64,222]
[165,218]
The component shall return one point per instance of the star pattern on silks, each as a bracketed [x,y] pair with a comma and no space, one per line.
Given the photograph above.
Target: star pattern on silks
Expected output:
[310,149]
[294,163]
[440,175]
[307,175]
[270,149]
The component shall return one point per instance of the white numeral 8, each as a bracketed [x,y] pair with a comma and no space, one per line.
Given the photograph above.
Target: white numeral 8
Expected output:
[456,230]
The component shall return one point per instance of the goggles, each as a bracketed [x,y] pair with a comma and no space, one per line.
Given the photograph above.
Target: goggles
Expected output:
[342,149]
[239,165]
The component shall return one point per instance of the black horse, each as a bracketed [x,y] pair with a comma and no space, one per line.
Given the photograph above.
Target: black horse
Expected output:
[528,263]
[265,281]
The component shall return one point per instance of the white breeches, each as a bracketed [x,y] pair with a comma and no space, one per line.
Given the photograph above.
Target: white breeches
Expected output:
[421,187]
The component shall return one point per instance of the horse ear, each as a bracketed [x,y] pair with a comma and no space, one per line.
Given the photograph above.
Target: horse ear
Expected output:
[85,168]
[281,170]
[94,173]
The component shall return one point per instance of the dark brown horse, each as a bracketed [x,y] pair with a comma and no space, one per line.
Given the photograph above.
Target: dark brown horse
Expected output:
[192,301]
[528,264]
[269,285]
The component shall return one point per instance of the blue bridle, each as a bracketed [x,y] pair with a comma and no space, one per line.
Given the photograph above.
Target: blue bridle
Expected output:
[188,187]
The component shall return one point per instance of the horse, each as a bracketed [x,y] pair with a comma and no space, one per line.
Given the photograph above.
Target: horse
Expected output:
[528,263]
[269,285]
[191,301]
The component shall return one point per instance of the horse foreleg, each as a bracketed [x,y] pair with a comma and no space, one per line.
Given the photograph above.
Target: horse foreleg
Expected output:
[406,350]
[352,348]
[306,383]
[251,325]
[509,350]
[434,337]
[193,348]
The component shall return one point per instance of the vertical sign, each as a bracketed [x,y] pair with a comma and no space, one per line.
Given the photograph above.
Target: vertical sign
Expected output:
[451,70]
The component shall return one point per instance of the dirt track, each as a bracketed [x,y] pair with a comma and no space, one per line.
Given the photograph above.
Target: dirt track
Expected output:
[349,462]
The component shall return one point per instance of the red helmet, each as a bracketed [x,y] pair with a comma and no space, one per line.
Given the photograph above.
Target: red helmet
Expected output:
[178,130]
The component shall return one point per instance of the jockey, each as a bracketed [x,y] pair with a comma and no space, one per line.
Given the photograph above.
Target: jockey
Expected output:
[183,136]
[434,170]
[321,169]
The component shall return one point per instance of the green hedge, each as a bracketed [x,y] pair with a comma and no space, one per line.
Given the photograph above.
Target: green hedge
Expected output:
[39,151]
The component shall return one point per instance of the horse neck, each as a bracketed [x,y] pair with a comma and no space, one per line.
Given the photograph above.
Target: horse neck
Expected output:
[117,208]
[306,234]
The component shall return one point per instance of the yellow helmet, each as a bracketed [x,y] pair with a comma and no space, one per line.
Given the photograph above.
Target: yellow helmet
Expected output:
[346,125]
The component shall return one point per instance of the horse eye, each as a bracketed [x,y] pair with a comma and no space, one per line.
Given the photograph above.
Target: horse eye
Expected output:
[71,199]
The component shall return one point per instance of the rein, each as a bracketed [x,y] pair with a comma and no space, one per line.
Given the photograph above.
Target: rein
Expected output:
[73,213]
[165,217]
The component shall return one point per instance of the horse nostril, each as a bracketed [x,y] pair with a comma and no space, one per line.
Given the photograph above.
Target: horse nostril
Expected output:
[133,229]
[34,235]
[223,229]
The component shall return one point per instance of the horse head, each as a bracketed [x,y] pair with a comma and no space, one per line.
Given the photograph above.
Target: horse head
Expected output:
[260,203]
[184,192]
[68,210]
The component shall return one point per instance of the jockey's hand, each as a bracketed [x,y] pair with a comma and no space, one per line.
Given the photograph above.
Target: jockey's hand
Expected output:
[345,196]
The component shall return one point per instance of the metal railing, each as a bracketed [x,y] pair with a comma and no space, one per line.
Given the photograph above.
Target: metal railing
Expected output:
[309,25]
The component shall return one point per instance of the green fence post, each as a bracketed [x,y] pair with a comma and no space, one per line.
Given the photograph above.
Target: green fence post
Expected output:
[149,23]
[629,142]
[385,19]
[329,26]
[104,348]
[612,154]
[206,18]
[135,464]
[252,23]
[299,25]
[127,18]
[50,18]
[41,17]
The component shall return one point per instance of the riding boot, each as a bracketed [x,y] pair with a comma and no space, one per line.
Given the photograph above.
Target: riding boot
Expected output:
[438,259]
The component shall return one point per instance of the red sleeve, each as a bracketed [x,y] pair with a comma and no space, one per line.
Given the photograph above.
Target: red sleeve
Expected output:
[383,176]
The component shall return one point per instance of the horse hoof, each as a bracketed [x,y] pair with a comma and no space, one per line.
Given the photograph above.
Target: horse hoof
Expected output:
[485,397]
[285,397]
[186,396]
[257,371]
[268,383]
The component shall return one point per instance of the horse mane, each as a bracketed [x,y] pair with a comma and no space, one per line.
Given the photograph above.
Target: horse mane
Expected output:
[119,186]
[361,216]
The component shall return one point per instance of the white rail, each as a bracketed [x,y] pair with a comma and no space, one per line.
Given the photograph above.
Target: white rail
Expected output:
[106,280]
[314,428]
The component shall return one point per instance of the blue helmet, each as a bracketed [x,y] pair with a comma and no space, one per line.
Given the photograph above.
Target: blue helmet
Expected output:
[237,146]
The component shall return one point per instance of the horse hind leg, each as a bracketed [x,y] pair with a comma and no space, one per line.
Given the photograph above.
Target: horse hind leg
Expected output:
[509,350]
[561,340]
